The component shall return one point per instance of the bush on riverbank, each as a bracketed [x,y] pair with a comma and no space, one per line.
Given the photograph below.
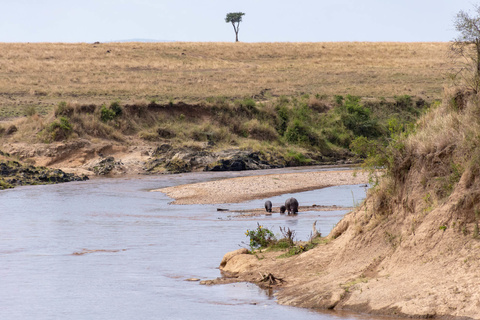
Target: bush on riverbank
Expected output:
[302,129]
[263,238]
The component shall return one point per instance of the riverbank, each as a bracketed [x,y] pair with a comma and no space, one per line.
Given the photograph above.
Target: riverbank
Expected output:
[257,187]
[367,268]
[14,173]
[411,249]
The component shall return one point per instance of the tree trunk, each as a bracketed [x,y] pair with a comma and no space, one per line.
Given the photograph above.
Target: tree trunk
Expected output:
[477,45]
[236,28]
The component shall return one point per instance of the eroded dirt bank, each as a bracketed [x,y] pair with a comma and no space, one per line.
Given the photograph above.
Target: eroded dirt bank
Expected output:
[392,270]
[375,262]
[412,248]
[112,158]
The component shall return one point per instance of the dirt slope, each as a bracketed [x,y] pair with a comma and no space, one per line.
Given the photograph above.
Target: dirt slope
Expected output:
[379,267]
[412,249]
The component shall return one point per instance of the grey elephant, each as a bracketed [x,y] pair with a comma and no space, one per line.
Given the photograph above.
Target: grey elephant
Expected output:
[282,209]
[291,205]
[268,206]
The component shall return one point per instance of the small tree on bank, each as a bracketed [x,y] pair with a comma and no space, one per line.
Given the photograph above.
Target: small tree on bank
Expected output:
[467,46]
[235,18]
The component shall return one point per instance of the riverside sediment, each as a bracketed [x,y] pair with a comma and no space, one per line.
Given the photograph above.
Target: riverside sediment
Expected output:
[256,187]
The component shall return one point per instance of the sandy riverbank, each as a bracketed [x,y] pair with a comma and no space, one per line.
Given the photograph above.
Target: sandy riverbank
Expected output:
[257,187]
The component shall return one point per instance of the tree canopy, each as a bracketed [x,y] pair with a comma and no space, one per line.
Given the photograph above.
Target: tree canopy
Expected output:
[467,44]
[235,18]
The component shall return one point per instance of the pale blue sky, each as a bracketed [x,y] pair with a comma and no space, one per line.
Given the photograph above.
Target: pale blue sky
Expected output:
[203,20]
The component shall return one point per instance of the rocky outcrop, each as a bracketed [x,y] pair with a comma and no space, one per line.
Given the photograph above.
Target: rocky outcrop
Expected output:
[166,159]
[13,173]
[235,160]
[107,166]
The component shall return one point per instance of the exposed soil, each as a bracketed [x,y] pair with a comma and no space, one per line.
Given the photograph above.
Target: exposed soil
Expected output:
[420,264]
[81,156]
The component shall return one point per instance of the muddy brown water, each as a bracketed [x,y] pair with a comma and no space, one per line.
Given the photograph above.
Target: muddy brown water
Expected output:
[111,249]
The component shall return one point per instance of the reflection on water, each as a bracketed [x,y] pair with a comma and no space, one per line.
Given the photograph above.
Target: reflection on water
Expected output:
[109,249]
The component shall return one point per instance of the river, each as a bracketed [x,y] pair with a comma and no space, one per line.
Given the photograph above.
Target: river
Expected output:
[111,249]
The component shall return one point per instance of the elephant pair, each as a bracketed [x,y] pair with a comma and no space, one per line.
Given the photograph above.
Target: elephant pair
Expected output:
[291,206]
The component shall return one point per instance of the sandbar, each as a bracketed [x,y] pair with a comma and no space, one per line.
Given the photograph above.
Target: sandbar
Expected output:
[242,189]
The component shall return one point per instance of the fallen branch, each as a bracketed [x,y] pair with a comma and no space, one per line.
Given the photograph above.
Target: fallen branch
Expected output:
[270,279]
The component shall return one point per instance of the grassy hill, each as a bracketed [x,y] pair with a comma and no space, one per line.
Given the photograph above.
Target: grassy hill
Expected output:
[41,75]
[274,104]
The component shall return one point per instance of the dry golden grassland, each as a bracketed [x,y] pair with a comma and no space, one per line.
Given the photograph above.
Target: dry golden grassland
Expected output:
[42,74]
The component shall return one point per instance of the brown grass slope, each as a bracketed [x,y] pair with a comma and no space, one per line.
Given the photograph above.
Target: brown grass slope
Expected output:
[412,248]
[42,74]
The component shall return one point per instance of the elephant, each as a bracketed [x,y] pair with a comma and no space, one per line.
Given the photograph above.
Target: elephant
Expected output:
[291,205]
[268,206]
[282,209]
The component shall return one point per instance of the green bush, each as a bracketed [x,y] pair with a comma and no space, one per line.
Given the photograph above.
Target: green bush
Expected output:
[364,147]
[282,119]
[338,135]
[59,129]
[338,100]
[116,108]
[110,113]
[358,119]
[106,114]
[299,133]
[302,112]
[260,237]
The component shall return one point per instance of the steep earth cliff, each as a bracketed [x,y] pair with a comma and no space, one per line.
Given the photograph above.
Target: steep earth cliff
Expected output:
[412,248]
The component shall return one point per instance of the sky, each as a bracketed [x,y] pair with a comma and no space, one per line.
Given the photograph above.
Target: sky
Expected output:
[204,20]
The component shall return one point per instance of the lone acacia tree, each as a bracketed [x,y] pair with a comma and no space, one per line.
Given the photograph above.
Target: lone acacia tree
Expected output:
[467,46]
[235,18]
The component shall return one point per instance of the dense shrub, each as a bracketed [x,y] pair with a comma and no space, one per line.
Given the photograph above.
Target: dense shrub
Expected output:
[282,119]
[106,114]
[59,129]
[116,108]
[299,133]
[260,237]
[358,118]
[110,113]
